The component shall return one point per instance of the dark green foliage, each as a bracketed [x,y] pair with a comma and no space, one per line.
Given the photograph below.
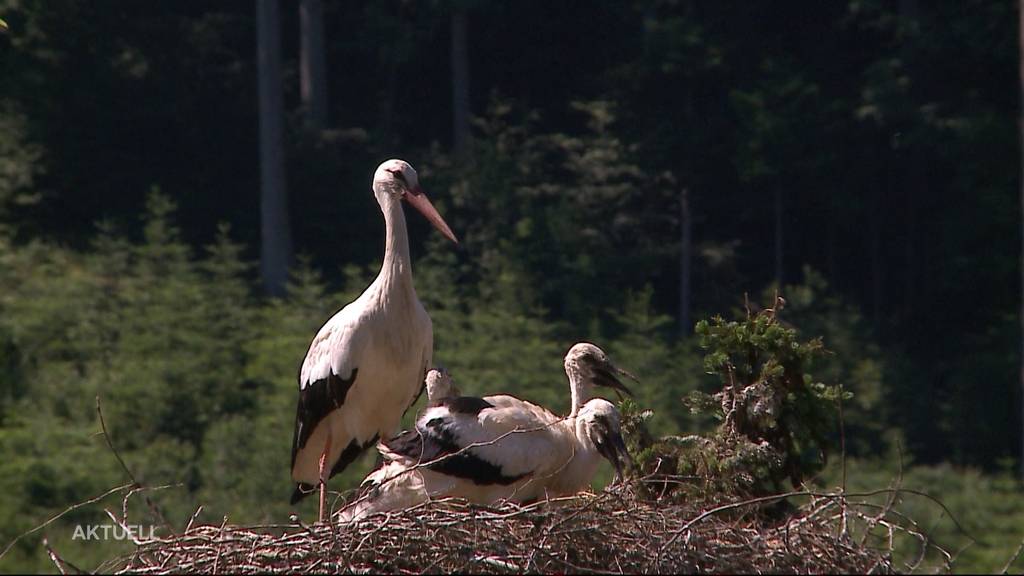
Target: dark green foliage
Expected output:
[554,214]
[853,360]
[20,163]
[775,421]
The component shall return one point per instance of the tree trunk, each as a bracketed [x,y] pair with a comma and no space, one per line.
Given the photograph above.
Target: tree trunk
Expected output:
[778,238]
[910,296]
[830,245]
[460,82]
[875,254]
[914,175]
[275,232]
[312,66]
[685,257]
[1020,125]
[387,105]
[649,18]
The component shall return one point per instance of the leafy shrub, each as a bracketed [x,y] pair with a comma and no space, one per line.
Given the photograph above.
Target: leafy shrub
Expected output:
[774,419]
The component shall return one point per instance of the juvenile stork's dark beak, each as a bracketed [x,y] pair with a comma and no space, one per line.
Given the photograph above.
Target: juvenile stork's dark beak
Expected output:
[419,200]
[613,448]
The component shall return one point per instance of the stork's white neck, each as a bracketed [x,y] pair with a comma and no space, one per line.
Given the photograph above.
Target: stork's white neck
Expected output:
[585,460]
[396,272]
[578,387]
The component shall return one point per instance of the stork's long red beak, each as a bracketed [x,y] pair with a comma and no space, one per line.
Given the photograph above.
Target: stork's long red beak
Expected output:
[419,200]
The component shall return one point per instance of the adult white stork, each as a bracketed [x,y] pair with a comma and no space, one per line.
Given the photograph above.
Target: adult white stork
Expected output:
[500,447]
[366,365]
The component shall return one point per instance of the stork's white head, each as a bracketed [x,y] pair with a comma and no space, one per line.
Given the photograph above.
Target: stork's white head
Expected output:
[440,385]
[397,180]
[588,365]
[395,177]
[599,424]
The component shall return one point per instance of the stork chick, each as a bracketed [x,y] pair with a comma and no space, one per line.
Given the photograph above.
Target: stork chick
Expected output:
[501,447]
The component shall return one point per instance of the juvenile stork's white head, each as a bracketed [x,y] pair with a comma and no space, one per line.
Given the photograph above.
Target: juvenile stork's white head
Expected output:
[440,386]
[396,180]
[587,366]
[598,424]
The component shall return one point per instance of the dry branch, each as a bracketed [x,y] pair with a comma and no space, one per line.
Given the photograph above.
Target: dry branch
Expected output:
[56,517]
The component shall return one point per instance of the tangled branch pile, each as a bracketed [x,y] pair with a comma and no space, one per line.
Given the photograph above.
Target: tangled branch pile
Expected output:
[613,532]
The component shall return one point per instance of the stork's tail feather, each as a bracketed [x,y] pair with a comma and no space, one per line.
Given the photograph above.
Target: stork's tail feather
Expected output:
[350,453]
[352,514]
[347,456]
[391,487]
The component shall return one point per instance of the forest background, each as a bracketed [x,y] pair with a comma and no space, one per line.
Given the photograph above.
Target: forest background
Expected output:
[615,172]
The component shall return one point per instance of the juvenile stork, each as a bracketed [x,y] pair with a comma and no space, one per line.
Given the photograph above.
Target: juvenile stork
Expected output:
[500,447]
[366,365]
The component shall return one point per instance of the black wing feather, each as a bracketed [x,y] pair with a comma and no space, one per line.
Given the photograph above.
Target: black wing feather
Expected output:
[348,455]
[470,405]
[436,443]
[316,401]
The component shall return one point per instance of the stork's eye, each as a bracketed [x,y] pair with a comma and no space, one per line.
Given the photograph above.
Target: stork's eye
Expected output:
[398,174]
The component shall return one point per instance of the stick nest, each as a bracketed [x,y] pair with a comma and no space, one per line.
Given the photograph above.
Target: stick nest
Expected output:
[612,532]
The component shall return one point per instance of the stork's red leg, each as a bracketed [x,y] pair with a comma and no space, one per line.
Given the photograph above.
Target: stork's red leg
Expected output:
[323,475]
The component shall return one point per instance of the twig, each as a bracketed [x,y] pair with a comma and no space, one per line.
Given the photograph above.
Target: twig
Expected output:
[110,444]
[842,455]
[891,500]
[59,562]
[53,519]
[193,518]
[219,550]
[1013,558]
[798,493]
[135,483]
